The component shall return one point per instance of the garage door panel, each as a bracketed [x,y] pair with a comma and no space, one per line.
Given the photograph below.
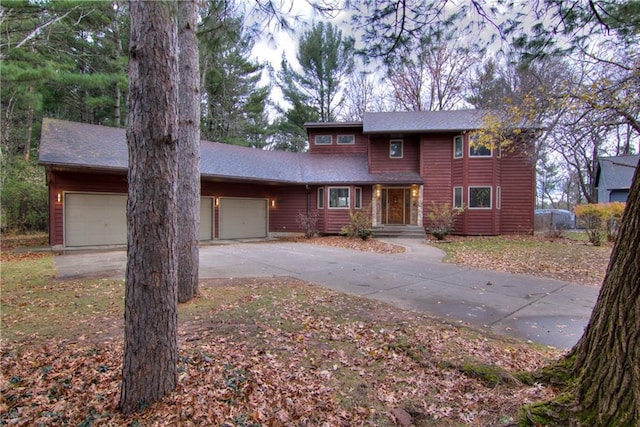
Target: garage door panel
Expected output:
[95,219]
[206,219]
[243,218]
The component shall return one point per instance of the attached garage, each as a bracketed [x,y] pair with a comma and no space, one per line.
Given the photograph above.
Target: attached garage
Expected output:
[95,219]
[100,219]
[242,218]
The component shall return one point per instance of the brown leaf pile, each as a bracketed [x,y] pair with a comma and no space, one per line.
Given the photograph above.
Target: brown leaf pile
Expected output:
[279,353]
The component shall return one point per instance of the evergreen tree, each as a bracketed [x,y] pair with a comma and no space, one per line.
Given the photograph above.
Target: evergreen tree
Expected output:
[61,59]
[234,103]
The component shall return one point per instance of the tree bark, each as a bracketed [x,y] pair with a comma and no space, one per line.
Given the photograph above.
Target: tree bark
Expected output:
[608,354]
[150,348]
[189,152]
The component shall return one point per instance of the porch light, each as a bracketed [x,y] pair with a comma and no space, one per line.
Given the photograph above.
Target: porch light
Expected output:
[378,191]
[273,203]
[217,202]
[59,198]
[414,191]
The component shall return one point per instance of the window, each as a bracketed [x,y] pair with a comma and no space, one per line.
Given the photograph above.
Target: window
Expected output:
[320,198]
[339,198]
[458,144]
[498,197]
[346,139]
[476,149]
[358,200]
[323,140]
[395,148]
[457,198]
[480,197]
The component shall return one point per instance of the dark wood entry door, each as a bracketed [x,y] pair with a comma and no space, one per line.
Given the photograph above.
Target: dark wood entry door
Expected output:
[395,206]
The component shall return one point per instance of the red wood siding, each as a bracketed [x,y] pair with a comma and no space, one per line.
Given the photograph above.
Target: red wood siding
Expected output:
[518,194]
[360,145]
[436,163]
[380,162]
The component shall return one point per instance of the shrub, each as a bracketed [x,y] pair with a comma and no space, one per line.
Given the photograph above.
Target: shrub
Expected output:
[614,218]
[309,223]
[442,219]
[359,225]
[23,196]
[600,219]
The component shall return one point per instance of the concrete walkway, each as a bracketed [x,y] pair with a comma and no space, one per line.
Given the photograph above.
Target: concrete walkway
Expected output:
[546,311]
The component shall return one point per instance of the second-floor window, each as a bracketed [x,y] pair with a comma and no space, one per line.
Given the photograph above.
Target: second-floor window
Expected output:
[478,150]
[458,147]
[395,149]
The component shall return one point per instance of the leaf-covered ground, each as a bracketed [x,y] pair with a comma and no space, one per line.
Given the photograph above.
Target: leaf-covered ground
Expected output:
[563,259]
[273,352]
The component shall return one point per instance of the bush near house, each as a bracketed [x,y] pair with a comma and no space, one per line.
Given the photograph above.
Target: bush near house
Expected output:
[442,219]
[360,224]
[309,223]
[600,219]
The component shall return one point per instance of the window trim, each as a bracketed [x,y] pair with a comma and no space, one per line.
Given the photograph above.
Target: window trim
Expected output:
[479,156]
[315,139]
[455,206]
[357,197]
[320,198]
[459,138]
[394,141]
[348,206]
[353,139]
[490,197]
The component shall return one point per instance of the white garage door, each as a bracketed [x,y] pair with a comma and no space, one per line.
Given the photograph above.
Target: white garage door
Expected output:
[206,219]
[243,218]
[95,219]
[101,219]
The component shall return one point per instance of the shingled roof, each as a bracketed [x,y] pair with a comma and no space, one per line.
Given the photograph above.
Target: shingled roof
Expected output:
[86,146]
[423,121]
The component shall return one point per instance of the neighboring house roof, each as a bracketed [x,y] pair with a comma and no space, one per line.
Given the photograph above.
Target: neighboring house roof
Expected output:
[81,145]
[616,173]
[423,121]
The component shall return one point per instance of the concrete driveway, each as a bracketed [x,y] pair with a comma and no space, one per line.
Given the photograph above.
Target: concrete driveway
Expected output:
[546,311]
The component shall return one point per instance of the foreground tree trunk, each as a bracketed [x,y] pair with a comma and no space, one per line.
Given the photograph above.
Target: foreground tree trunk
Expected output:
[150,350]
[189,153]
[608,355]
[604,366]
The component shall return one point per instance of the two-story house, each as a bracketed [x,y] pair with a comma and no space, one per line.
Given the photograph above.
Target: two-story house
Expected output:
[397,164]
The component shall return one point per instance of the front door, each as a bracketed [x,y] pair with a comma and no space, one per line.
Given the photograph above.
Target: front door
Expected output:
[395,205]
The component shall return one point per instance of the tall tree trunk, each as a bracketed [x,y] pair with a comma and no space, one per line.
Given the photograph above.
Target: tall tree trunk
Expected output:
[150,348]
[608,354]
[189,152]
